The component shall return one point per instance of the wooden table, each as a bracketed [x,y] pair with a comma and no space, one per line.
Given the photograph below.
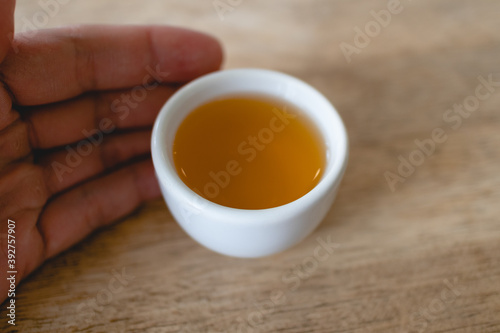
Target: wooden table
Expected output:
[422,257]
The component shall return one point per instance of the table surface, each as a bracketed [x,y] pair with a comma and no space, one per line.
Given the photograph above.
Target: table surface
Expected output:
[423,256]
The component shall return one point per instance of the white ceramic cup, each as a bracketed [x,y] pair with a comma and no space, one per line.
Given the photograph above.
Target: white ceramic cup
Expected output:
[242,232]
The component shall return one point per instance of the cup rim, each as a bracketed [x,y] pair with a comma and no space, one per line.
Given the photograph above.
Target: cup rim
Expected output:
[167,173]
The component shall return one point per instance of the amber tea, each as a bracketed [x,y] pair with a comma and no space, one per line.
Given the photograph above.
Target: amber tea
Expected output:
[249,152]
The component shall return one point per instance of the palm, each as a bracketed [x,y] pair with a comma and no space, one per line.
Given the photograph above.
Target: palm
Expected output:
[76,105]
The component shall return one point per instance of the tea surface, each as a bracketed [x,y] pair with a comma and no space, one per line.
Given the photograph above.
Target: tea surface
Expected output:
[248,152]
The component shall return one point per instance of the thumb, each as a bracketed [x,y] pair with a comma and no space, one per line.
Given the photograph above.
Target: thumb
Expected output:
[6,26]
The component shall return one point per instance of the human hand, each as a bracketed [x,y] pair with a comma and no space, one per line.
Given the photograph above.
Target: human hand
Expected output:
[57,88]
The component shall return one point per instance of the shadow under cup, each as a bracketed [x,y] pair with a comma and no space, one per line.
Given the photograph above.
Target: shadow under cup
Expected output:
[242,232]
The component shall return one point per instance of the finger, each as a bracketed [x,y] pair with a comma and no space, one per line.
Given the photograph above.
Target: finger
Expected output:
[14,143]
[29,246]
[7,116]
[75,214]
[86,118]
[22,187]
[66,168]
[22,197]
[93,115]
[63,63]
[6,26]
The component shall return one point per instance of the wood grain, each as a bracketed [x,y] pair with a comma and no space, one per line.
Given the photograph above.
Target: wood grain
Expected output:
[424,258]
